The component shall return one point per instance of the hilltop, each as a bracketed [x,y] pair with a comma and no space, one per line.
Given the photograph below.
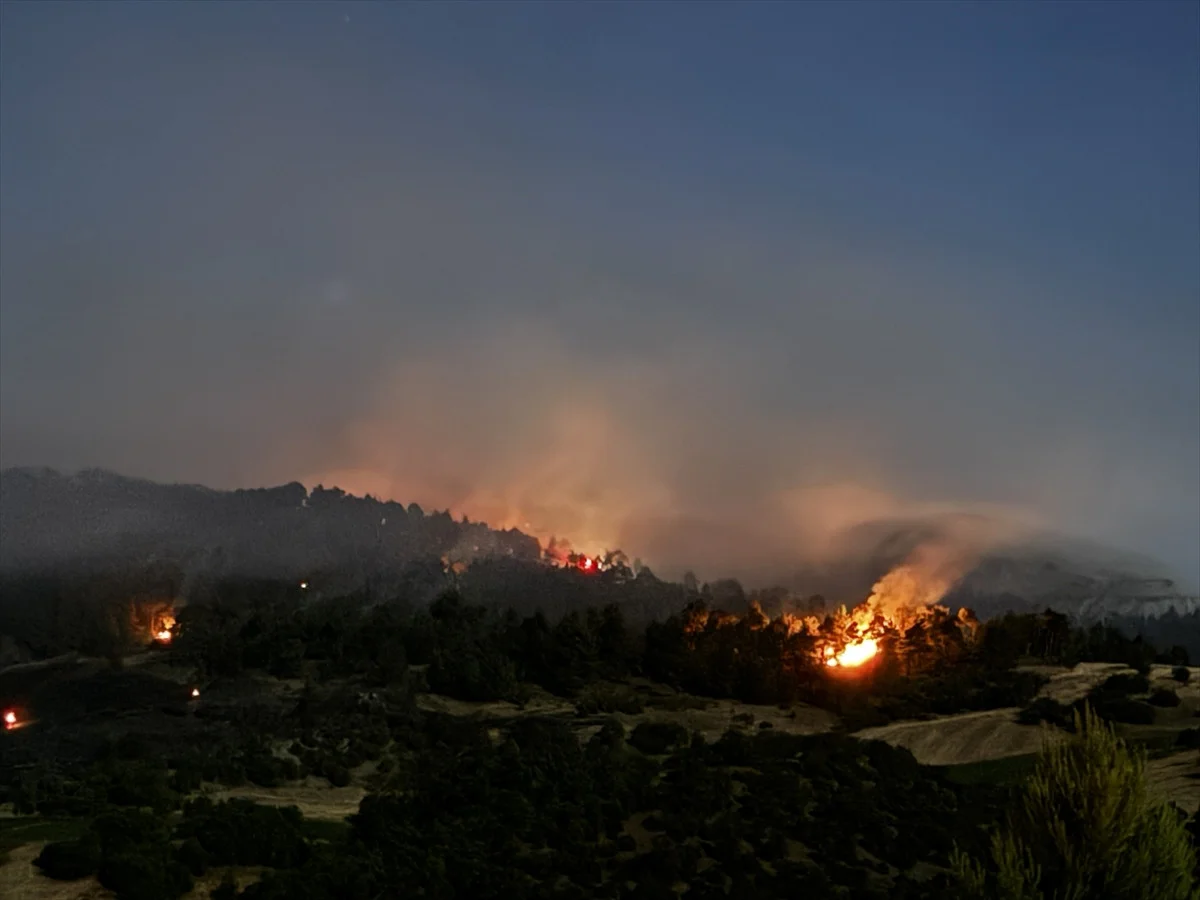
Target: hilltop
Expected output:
[97,519]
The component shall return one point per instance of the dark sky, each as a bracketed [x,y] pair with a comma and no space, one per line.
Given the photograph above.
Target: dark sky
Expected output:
[707,281]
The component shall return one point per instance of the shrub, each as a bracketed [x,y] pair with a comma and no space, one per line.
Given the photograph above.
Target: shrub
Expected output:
[653,738]
[473,673]
[1045,709]
[193,856]
[1122,709]
[1182,674]
[608,698]
[1189,739]
[128,829]
[1125,683]
[239,832]
[1164,697]
[148,872]
[70,860]
[1085,825]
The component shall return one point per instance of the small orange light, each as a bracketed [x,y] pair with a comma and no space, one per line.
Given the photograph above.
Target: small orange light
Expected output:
[10,719]
[195,692]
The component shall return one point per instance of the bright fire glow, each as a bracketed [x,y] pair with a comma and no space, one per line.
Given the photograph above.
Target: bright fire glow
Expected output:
[304,585]
[163,628]
[854,654]
[10,719]
[195,692]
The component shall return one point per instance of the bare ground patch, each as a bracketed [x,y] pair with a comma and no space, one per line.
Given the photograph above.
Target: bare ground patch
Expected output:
[315,797]
[1176,778]
[966,738]
[712,718]
[20,879]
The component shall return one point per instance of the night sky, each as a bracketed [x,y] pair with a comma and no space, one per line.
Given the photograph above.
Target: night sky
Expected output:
[704,281]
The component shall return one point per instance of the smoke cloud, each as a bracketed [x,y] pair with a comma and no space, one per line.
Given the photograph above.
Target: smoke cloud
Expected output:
[341,262]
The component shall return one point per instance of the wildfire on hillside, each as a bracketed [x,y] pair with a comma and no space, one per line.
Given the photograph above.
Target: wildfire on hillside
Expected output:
[163,628]
[902,610]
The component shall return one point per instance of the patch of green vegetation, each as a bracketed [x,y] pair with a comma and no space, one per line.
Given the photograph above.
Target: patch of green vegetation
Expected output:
[18,831]
[1006,770]
[609,698]
[1124,842]
[678,703]
[333,831]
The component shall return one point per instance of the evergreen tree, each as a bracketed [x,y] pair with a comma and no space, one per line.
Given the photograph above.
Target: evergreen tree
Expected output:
[1085,826]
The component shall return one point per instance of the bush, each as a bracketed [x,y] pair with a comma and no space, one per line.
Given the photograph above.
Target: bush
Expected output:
[70,860]
[1164,697]
[608,698]
[1122,709]
[149,872]
[1045,709]
[126,830]
[242,833]
[1085,825]
[1124,683]
[474,673]
[654,738]
[193,856]
[1182,674]
[1189,739]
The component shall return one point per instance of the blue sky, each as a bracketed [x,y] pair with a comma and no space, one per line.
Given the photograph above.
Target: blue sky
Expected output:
[652,273]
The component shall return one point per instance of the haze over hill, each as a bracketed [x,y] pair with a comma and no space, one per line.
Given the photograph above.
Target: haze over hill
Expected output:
[51,520]
[430,255]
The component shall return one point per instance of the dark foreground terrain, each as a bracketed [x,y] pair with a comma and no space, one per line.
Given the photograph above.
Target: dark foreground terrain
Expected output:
[347,749]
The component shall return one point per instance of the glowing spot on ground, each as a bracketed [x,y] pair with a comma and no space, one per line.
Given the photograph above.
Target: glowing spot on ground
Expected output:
[195,692]
[10,719]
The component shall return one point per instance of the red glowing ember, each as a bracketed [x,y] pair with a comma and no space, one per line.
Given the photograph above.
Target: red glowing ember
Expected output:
[586,564]
[10,719]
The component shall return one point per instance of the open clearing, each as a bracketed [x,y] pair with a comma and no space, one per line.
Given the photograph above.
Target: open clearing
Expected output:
[995,734]
[315,797]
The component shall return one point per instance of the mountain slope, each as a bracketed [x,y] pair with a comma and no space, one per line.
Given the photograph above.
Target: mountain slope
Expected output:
[93,518]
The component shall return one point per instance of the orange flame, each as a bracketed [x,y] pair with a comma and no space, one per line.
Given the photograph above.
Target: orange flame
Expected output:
[10,719]
[853,655]
[164,628]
